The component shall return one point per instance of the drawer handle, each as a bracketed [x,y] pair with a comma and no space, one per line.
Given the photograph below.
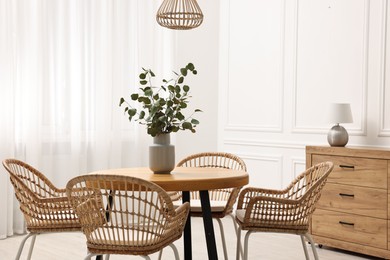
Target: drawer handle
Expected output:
[346,223]
[347,166]
[346,195]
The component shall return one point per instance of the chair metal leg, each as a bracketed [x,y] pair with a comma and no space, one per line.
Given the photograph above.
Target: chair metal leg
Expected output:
[304,247]
[174,251]
[313,247]
[246,244]
[31,247]
[89,256]
[160,254]
[235,229]
[146,257]
[223,238]
[22,245]
[238,243]
[107,257]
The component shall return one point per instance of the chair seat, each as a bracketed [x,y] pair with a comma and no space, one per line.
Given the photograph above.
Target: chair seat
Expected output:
[215,205]
[275,225]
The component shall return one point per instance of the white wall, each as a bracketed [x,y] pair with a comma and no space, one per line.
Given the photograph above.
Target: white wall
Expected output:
[200,46]
[282,62]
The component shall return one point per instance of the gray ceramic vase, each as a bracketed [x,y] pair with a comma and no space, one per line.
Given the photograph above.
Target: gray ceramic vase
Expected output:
[162,154]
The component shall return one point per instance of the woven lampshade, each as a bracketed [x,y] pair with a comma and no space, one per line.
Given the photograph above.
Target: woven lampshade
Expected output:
[179,14]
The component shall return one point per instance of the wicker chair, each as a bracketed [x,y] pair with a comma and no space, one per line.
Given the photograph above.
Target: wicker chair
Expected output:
[221,200]
[45,207]
[125,215]
[282,211]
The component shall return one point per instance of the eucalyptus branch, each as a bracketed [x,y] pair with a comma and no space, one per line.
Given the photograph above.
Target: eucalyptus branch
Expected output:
[162,114]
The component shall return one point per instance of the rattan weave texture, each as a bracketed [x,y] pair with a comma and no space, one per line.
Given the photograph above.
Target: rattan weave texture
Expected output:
[45,207]
[125,215]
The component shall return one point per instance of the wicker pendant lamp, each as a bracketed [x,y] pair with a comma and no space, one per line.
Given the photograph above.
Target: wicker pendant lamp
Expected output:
[179,14]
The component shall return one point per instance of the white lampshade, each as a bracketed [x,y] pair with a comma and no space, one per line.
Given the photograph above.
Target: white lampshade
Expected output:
[340,113]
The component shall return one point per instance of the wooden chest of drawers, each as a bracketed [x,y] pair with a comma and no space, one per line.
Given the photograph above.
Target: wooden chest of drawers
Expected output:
[353,212]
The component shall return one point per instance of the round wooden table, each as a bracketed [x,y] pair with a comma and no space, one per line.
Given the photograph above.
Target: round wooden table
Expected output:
[188,179]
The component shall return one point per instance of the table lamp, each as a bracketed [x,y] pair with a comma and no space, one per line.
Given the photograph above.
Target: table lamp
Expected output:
[339,113]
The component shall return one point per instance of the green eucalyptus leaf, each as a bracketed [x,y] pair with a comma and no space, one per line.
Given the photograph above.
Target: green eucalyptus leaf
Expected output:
[132,112]
[142,115]
[146,101]
[187,125]
[142,76]
[186,88]
[180,116]
[148,92]
[183,105]
[162,102]
[190,66]
[194,72]
[121,101]
[175,129]
[152,73]
[183,71]
[143,82]
[198,110]
[194,121]
[180,80]
[134,96]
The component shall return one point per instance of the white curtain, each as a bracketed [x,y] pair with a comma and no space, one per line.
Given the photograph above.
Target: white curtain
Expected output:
[64,64]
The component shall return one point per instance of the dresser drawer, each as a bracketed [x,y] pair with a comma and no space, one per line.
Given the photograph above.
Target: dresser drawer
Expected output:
[356,171]
[351,228]
[354,199]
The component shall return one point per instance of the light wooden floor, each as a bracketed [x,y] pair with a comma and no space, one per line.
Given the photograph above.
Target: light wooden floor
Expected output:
[262,246]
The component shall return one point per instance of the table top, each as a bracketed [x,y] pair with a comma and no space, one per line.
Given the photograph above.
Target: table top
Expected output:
[187,178]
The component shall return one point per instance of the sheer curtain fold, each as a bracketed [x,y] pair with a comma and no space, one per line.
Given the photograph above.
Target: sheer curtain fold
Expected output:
[64,66]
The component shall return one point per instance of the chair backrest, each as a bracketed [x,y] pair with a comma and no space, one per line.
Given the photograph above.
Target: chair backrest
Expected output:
[290,208]
[217,160]
[310,182]
[45,207]
[124,214]
[307,188]
[214,160]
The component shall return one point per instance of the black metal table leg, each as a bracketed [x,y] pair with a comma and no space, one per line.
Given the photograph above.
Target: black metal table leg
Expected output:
[187,230]
[208,225]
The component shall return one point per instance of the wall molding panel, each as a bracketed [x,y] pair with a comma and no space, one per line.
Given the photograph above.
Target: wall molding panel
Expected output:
[263,143]
[282,63]
[257,120]
[358,129]
[384,92]
[261,167]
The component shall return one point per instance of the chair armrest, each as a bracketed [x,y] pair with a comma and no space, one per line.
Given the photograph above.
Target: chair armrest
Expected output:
[271,209]
[178,219]
[181,212]
[249,193]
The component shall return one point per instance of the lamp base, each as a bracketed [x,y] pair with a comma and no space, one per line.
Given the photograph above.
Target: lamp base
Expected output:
[338,136]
